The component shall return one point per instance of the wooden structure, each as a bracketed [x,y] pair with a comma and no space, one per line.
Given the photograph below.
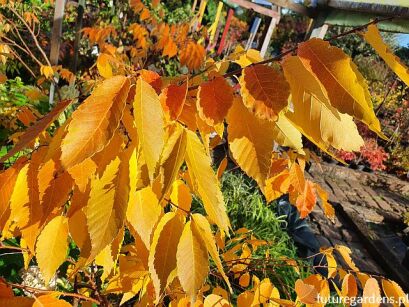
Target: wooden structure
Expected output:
[325,13]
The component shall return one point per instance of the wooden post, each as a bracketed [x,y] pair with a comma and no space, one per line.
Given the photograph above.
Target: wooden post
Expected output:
[253,31]
[78,27]
[267,38]
[56,41]
[225,31]
[318,28]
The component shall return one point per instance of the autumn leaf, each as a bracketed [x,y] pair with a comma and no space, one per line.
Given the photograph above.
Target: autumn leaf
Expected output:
[162,253]
[35,130]
[214,99]
[144,213]
[173,98]
[371,296]
[205,181]
[306,200]
[192,261]
[345,85]
[394,292]
[264,90]
[251,141]
[203,231]
[150,124]
[345,253]
[50,300]
[104,66]
[312,113]
[374,38]
[349,286]
[192,55]
[214,300]
[94,123]
[107,203]
[53,238]
[172,158]
[181,197]
[306,293]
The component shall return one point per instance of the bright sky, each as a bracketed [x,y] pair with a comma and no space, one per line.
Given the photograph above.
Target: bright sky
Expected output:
[403,40]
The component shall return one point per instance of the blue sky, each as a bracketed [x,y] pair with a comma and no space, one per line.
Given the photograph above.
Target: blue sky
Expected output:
[403,40]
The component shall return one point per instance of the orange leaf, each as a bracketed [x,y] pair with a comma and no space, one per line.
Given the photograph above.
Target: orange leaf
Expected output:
[371,296]
[306,201]
[173,98]
[306,293]
[264,90]
[192,55]
[34,131]
[94,123]
[215,97]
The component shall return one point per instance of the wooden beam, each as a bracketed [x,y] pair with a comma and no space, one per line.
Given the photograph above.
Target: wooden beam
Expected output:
[295,7]
[257,8]
[267,38]
[376,9]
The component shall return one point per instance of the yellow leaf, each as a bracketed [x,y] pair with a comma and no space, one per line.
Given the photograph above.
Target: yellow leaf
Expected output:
[345,253]
[103,65]
[329,210]
[192,262]
[214,300]
[50,300]
[264,90]
[107,203]
[214,98]
[204,232]
[245,299]
[162,253]
[7,182]
[144,213]
[313,114]
[94,123]
[251,141]
[374,38]
[246,58]
[205,182]
[394,293]
[331,262]
[52,238]
[346,87]
[181,197]
[172,157]
[47,71]
[371,296]
[264,292]
[150,124]
[244,280]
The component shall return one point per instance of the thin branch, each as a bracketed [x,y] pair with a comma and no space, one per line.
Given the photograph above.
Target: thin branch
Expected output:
[32,34]
[34,290]
[281,55]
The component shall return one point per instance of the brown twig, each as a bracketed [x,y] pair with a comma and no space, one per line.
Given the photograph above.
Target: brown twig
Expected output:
[34,290]
[281,55]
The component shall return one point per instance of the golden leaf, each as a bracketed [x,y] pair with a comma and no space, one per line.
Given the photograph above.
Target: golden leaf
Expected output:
[306,200]
[162,253]
[306,293]
[394,293]
[345,253]
[181,197]
[50,300]
[313,114]
[192,55]
[214,300]
[374,38]
[264,90]
[349,286]
[192,261]
[94,123]
[107,203]
[346,88]
[203,231]
[371,296]
[144,213]
[104,66]
[205,182]
[150,124]
[52,238]
[173,98]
